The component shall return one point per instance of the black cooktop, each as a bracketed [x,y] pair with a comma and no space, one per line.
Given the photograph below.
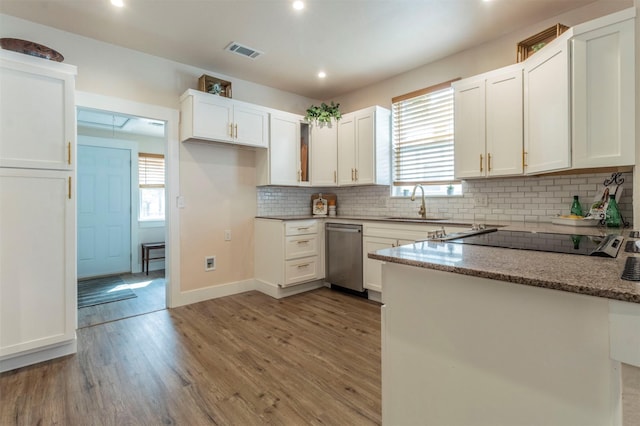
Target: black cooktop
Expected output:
[586,245]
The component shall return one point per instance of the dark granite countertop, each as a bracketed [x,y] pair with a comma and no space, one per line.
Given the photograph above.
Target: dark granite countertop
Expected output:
[593,276]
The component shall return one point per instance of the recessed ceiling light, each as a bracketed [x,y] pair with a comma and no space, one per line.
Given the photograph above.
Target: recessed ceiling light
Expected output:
[298,5]
[117,3]
[322,74]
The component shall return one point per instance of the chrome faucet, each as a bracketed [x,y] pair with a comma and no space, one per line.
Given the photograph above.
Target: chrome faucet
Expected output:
[423,210]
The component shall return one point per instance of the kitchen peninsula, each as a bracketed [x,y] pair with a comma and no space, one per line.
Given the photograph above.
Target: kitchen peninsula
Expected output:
[484,336]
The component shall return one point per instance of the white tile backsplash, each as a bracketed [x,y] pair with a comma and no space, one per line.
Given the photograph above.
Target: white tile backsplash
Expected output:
[531,199]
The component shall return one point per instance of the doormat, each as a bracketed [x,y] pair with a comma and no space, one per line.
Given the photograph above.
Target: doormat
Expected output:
[97,291]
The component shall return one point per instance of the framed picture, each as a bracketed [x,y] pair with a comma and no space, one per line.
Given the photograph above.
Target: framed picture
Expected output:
[601,200]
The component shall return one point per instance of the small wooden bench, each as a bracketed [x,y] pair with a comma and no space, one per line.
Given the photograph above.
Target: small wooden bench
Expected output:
[146,257]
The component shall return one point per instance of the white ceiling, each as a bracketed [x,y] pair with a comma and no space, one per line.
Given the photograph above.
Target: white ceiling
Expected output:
[357,42]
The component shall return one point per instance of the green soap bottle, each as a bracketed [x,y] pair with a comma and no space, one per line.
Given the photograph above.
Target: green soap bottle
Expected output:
[612,216]
[576,208]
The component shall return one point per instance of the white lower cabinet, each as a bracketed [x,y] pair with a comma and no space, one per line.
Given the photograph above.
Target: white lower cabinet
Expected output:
[288,253]
[380,235]
[37,265]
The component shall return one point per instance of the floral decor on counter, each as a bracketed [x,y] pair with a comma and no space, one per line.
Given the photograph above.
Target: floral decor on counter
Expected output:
[323,113]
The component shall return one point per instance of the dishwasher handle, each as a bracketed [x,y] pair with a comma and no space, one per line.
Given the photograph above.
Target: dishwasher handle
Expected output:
[336,229]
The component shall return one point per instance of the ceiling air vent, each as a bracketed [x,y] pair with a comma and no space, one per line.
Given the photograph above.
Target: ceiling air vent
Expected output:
[242,50]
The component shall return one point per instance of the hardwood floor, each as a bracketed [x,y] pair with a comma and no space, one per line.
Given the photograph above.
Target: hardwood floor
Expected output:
[151,296]
[247,359]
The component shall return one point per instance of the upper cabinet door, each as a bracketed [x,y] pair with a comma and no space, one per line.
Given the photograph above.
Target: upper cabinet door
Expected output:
[347,150]
[324,154]
[504,123]
[250,125]
[212,118]
[546,108]
[366,148]
[469,129]
[37,113]
[284,159]
[603,103]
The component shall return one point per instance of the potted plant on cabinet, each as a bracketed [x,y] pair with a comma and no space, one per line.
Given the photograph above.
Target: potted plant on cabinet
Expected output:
[324,113]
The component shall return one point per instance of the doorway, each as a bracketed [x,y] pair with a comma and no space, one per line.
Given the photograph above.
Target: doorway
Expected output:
[111,221]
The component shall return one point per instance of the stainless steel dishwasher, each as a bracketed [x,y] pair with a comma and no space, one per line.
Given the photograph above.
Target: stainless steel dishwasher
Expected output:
[344,256]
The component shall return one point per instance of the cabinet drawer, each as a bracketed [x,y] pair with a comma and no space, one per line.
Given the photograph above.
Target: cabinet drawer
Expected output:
[300,270]
[301,227]
[300,246]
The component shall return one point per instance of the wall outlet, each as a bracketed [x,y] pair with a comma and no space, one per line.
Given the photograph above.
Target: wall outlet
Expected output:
[180,202]
[209,263]
[481,200]
[227,234]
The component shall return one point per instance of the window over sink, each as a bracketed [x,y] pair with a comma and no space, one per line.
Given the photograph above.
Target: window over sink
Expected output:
[423,142]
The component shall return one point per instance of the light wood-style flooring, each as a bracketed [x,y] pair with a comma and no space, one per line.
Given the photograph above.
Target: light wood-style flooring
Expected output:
[151,296]
[246,359]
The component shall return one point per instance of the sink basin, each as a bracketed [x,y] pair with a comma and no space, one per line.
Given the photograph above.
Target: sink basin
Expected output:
[416,219]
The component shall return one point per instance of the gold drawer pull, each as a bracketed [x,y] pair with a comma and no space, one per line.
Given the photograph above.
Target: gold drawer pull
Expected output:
[304,265]
[480,162]
[488,162]
[303,242]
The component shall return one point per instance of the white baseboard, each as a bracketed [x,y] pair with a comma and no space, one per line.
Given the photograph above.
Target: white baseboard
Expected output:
[229,289]
[40,355]
[213,292]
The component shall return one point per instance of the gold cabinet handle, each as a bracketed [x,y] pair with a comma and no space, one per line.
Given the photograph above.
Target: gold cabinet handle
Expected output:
[303,229]
[353,171]
[481,163]
[488,162]
[356,175]
[69,153]
[69,193]
[524,161]
[304,265]
[303,242]
[236,131]
[230,130]
[335,176]
[299,175]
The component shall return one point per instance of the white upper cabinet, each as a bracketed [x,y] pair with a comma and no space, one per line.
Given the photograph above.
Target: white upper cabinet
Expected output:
[504,122]
[208,117]
[287,160]
[603,101]
[364,144]
[546,108]
[488,124]
[37,113]
[324,154]
[469,128]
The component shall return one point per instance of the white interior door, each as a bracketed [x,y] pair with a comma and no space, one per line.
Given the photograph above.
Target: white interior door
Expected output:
[104,211]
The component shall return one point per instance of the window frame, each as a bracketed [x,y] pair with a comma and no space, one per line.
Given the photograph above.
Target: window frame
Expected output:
[400,188]
[150,181]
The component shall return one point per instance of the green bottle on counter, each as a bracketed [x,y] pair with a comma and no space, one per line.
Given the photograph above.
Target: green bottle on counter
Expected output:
[576,208]
[612,216]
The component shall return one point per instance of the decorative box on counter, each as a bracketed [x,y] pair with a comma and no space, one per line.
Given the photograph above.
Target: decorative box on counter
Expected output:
[323,204]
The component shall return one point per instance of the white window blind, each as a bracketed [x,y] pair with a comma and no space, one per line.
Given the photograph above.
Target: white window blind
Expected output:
[150,170]
[423,136]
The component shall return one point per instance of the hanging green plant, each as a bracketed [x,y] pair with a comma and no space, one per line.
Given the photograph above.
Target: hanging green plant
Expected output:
[323,113]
